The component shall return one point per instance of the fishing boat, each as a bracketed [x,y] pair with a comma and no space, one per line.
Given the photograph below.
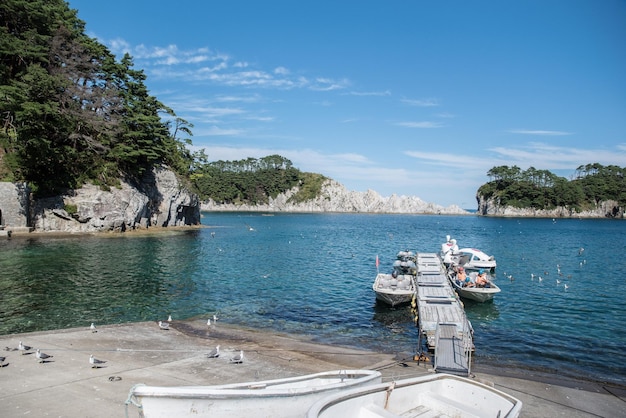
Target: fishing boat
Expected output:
[474,292]
[394,289]
[398,287]
[288,397]
[439,395]
[470,258]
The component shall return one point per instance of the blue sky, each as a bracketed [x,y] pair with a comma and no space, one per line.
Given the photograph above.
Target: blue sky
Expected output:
[415,98]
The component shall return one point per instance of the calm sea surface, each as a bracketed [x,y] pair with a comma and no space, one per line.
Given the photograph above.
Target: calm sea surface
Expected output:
[312,274]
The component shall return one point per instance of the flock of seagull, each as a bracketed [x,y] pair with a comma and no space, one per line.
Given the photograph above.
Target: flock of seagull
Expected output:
[215,352]
[97,363]
[45,358]
[559,281]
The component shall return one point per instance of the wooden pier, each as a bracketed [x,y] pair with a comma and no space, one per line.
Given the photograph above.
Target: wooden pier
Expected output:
[441,317]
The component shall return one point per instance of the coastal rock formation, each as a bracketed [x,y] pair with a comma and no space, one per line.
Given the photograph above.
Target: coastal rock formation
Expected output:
[158,200]
[607,209]
[334,197]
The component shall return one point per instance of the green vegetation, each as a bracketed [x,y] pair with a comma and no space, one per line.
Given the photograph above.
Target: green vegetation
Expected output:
[253,181]
[541,189]
[70,112]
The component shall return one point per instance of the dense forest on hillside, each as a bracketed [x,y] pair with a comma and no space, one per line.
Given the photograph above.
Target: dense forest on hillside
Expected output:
[254,181]
[541,189]
[70,112]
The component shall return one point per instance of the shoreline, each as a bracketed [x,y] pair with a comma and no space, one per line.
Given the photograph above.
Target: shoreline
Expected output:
[143,353]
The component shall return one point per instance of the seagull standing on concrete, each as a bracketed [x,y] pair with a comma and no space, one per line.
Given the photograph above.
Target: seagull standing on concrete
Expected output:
[164,325]
[169,318]
[95,363]
[93,328]
[2,363]
[215,353]
[42,357]
[23,348]
[238,358]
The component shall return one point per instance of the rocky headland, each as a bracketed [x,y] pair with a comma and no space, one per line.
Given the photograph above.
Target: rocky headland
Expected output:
[158,200]
[334,197]
[607,209]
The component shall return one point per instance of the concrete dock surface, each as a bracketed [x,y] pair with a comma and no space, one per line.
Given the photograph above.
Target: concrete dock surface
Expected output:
[67,385]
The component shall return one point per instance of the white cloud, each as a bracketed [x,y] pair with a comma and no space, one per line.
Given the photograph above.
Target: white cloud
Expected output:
[281,71]
[538,132]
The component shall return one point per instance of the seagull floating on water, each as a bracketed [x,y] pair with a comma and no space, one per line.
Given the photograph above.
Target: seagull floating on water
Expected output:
[42,357]
[95,363]
[93,328]
[164,325]
[215,353]
[23,348]
[238,358]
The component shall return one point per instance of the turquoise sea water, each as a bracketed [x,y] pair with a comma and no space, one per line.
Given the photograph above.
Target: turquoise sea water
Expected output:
[312,274]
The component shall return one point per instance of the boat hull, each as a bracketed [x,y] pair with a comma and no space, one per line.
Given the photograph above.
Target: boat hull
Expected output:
[289,397]
[478,294]
[390,292]
[438,395]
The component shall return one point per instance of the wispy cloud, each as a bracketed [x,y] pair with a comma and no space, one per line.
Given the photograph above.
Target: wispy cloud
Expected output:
[538,132]
[544,156]
[206,65]
[424,124]
[217,131]
[421,102]
[370,93]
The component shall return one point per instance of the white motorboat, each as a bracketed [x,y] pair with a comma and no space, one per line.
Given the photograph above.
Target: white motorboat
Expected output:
[473,292]
[470,258]
[438,395]
[288,397]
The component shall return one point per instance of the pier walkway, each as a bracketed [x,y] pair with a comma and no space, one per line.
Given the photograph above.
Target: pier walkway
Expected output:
[441,317]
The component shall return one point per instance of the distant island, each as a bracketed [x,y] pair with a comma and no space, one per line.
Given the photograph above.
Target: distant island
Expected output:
[594,191]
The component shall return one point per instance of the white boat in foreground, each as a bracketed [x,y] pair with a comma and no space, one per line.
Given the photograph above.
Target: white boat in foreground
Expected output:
[288,397]
[437,395]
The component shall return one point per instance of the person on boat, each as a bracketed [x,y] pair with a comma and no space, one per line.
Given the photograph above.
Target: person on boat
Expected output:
[461,276]
[481,279]
[464,279]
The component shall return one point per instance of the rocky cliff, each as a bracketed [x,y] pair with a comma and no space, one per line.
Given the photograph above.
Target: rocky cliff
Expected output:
[336,198]
[157,200]
[608,209]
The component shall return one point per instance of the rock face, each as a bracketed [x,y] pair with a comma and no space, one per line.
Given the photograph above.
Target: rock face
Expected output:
[158,200]
[336,198]
[607,209]
[14,200]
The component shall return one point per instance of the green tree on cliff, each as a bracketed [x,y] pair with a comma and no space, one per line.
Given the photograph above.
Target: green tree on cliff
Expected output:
[69,112]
